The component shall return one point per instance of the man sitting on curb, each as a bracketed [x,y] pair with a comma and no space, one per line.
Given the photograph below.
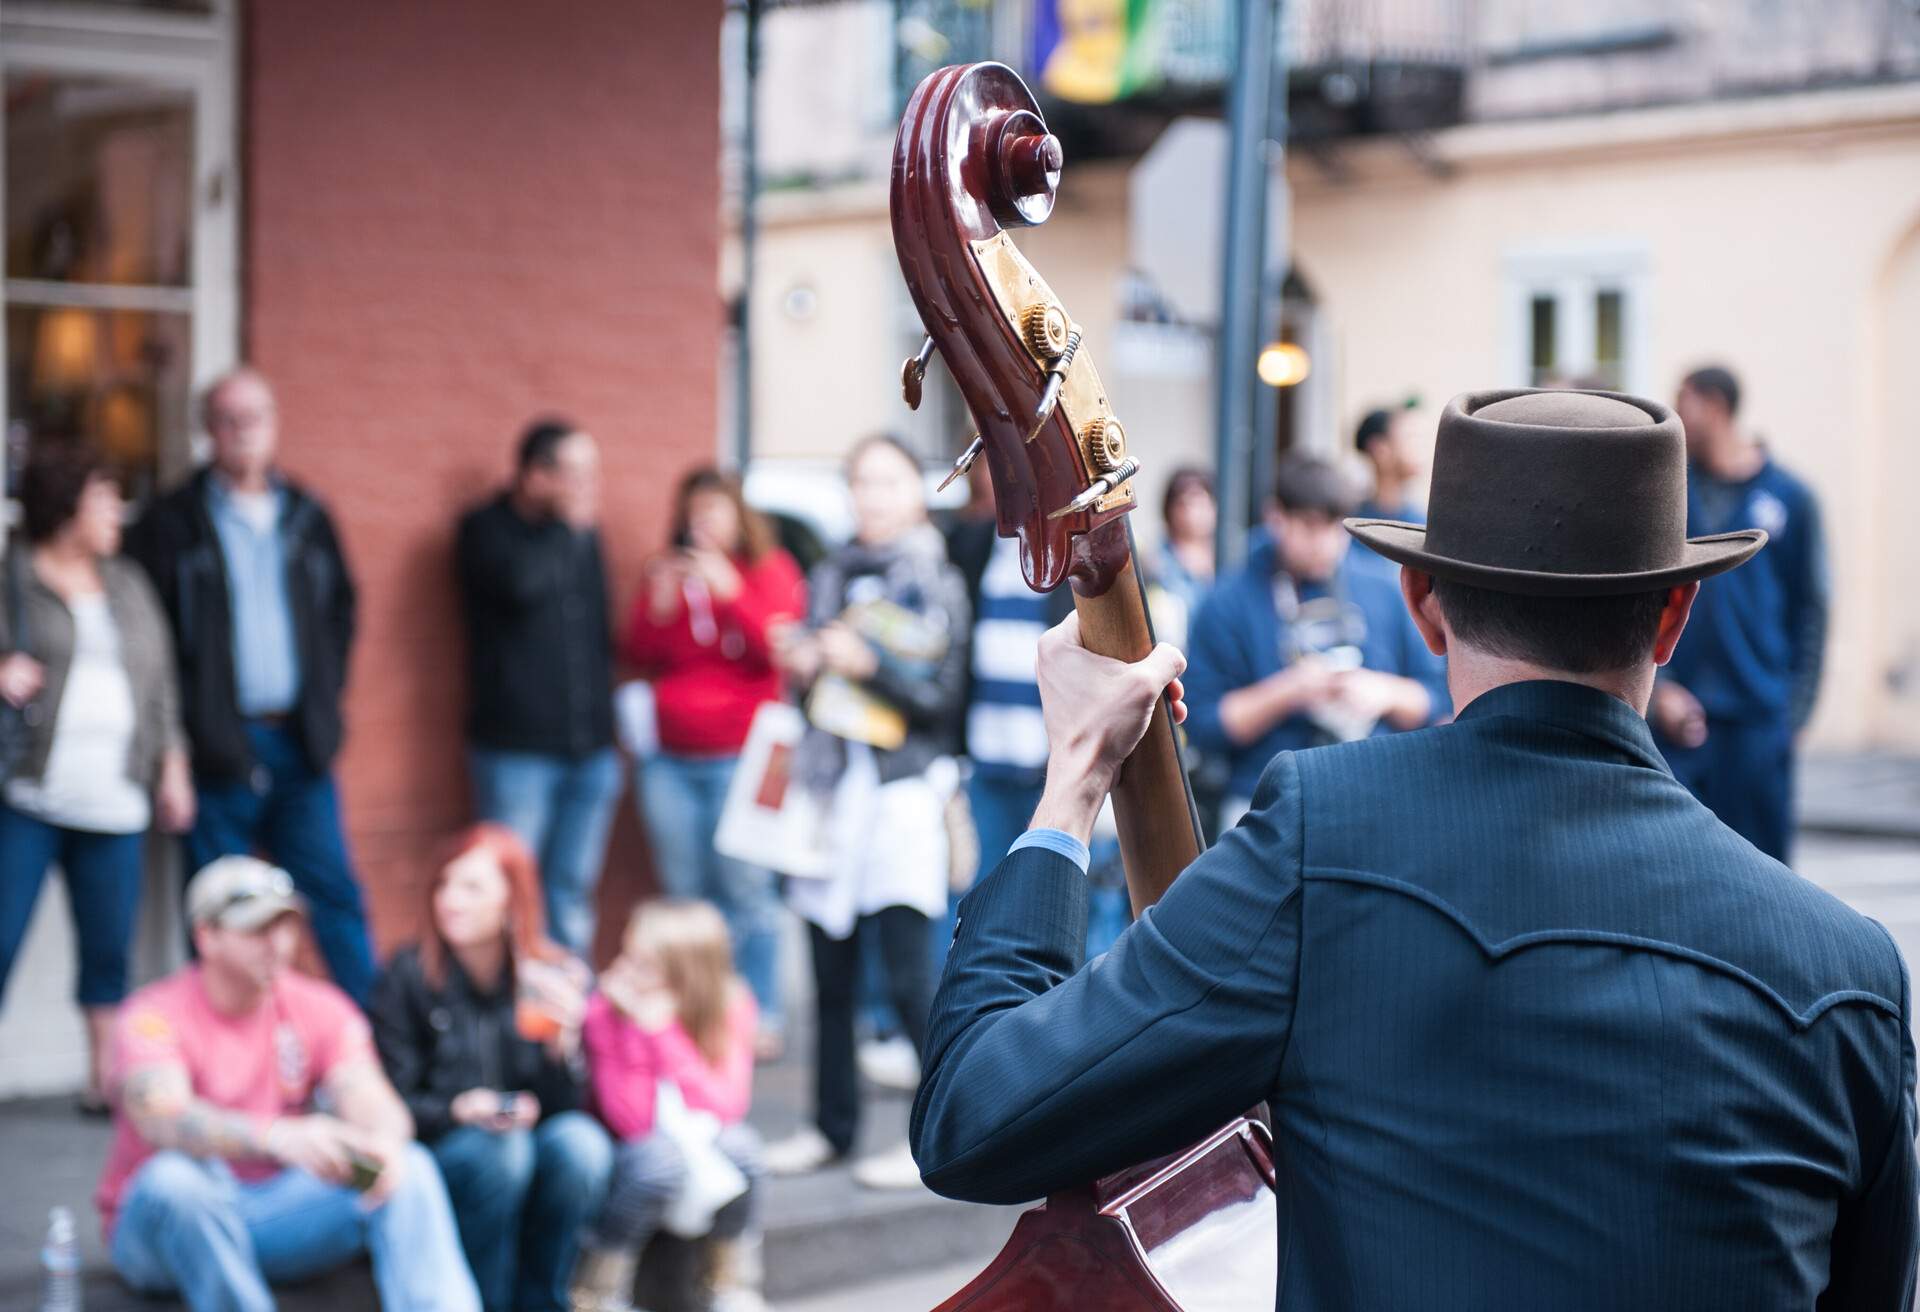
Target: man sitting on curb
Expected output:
[225,1173]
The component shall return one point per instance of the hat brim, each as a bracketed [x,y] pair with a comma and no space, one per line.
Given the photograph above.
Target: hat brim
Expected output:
[259,912]
[1700,558]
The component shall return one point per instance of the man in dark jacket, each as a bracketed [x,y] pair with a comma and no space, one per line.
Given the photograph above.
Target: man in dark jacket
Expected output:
[261,604]
[1535,1029]
[1742,686]
[540,661]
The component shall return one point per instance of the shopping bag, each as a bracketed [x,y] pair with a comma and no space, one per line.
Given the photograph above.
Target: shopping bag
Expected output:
[712,1180]
[768,819]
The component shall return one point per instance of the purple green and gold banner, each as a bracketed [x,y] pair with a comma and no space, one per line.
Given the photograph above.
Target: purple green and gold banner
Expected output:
[1095,51]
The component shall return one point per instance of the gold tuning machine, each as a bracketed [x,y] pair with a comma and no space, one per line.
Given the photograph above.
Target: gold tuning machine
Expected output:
[1046,328]
[1106,444]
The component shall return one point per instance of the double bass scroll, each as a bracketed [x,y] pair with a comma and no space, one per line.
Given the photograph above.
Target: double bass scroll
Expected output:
[974,159]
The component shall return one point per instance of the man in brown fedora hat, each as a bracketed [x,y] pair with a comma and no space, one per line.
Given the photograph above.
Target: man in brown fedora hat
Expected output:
[1535,1029]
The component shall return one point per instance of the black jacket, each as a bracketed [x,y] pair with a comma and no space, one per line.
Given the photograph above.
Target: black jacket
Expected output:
[176,543]
[438,1043]
[539,639]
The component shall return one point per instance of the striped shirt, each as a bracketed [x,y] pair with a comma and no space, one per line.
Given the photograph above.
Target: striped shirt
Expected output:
[1005,734]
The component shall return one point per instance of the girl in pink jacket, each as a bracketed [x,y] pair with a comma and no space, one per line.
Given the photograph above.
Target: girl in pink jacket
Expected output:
[671,1010]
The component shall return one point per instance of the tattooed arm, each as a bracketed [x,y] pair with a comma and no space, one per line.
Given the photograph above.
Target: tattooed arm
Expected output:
[160,1102]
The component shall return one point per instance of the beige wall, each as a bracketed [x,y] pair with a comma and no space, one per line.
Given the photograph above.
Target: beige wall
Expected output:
[1889,583]
[821,380]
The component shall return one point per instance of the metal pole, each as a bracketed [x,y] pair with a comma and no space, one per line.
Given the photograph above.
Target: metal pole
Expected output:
[1238,343]
[749,238]
[1275,258]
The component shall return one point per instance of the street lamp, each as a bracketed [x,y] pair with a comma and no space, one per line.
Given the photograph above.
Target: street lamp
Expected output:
[1282,364]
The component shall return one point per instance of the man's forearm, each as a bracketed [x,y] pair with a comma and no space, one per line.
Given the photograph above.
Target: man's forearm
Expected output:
[167,1115]
[1072,797]
[1246,714]
[390,1121]
[363,1099]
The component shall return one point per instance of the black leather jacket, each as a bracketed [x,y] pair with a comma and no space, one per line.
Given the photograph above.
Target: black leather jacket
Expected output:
[176,543]
[438,1043]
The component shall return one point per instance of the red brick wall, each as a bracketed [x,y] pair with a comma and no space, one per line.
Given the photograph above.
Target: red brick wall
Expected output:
[459,215]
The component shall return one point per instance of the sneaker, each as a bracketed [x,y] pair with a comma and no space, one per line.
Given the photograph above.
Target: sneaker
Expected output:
[603,1280]
[892,1169]
[802,1151]
[733,1268]
[891,1063]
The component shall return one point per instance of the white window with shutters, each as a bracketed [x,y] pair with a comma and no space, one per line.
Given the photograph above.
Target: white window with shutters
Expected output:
[1578,314]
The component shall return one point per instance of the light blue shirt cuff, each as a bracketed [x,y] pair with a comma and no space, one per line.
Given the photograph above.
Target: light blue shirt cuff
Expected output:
[1055,840]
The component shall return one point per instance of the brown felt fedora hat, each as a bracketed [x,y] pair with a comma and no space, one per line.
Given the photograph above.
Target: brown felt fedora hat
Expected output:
[1558,494]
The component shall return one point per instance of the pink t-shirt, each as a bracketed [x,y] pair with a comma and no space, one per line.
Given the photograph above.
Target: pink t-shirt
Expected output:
[267,1063]
[627,1064]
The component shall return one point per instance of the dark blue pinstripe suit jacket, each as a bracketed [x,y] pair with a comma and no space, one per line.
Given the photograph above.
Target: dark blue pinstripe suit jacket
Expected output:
[1538,1032]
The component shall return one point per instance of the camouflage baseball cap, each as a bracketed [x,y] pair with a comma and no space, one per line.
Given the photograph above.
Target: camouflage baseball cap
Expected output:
[240,892]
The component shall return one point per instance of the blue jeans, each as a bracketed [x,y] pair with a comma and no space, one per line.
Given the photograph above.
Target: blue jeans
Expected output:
[188,1227]
[103,891]
[521,1200]
[293,815]
[680,799]
[562,809]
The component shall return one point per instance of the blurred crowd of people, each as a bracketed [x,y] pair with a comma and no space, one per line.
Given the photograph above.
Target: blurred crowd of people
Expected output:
[493,1123]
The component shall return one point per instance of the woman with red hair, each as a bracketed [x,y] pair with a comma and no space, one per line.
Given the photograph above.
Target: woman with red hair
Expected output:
[478,1025]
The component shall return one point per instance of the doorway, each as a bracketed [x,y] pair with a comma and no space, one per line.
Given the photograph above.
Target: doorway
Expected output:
[120,294]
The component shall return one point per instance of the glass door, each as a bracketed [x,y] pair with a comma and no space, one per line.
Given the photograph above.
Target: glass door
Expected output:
[119,201]
[118,190]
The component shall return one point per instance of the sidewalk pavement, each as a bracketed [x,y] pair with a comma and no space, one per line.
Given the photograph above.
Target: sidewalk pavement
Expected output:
[1867,794]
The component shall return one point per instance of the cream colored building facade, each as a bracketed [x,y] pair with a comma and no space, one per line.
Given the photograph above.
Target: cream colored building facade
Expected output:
[1778,234]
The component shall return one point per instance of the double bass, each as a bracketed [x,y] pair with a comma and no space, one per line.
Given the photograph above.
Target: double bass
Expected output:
[1195,1229]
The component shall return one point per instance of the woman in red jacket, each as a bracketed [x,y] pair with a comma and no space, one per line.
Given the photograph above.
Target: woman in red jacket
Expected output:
[700,632]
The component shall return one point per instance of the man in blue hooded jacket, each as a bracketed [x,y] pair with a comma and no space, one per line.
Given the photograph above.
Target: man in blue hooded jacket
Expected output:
[1729,706]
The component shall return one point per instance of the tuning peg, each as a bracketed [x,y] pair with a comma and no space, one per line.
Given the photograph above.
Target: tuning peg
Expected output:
[1098,488]
[913,372]
[964,463]
[1056,379]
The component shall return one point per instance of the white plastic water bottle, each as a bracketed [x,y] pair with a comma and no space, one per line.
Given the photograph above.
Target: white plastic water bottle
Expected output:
[60,1264]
